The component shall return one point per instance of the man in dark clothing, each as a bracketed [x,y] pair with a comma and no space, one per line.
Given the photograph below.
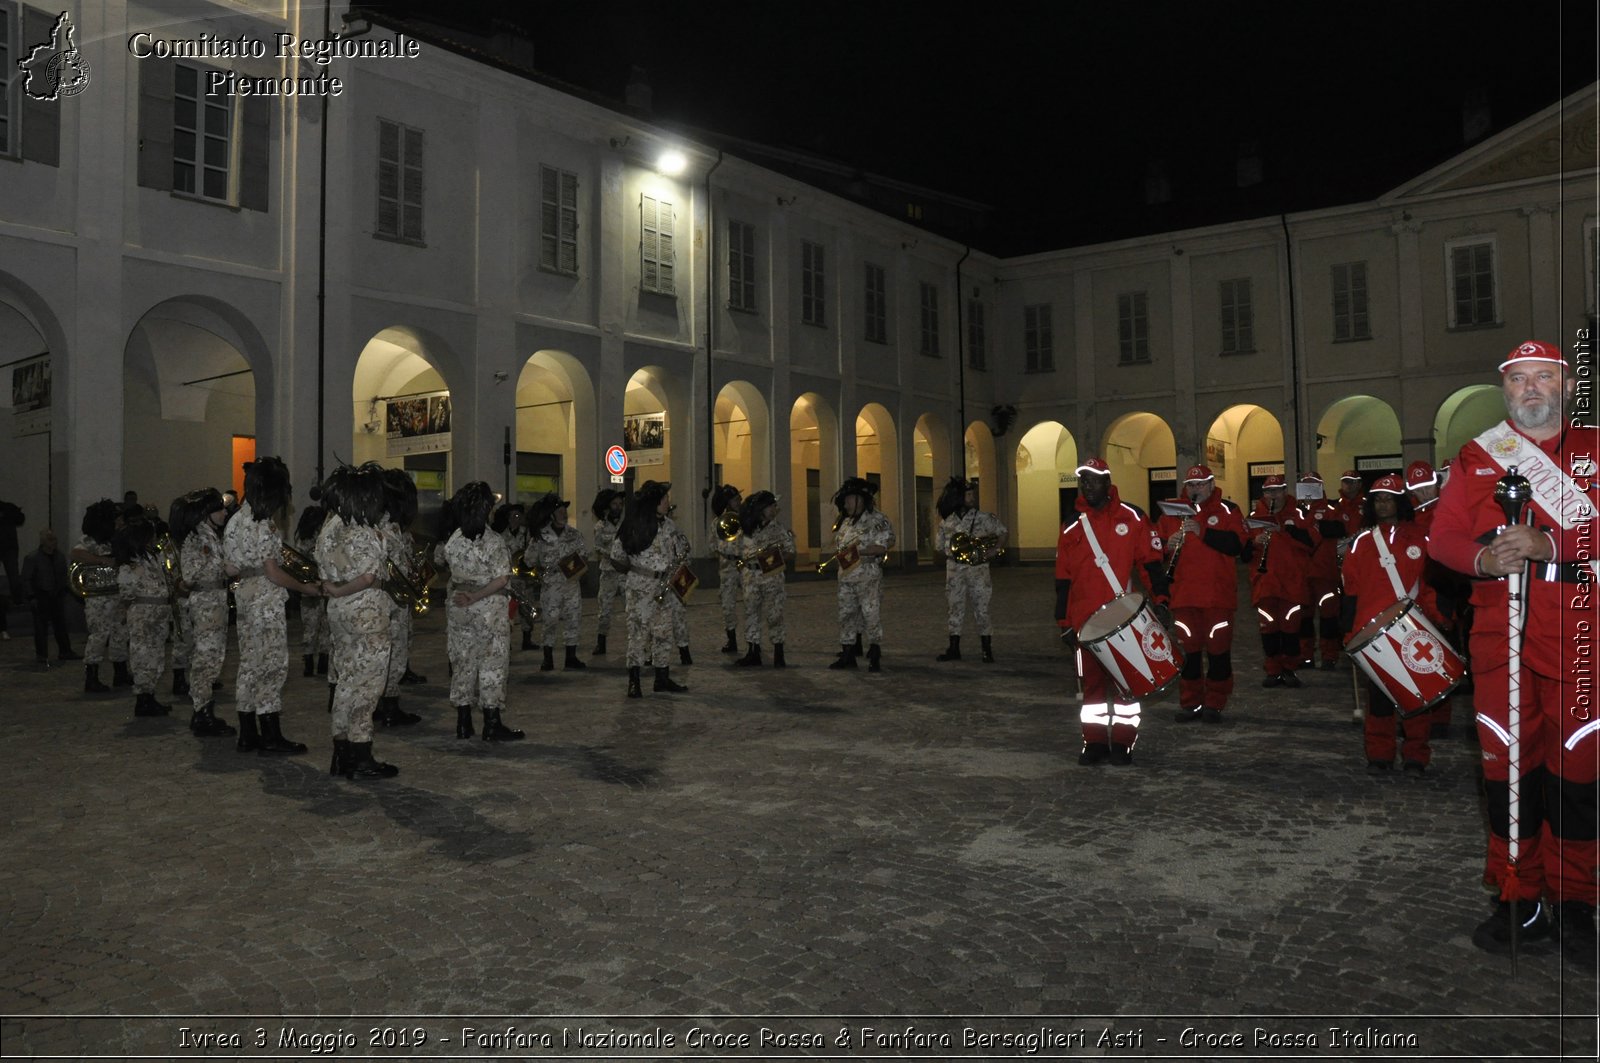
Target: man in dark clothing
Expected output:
[11,519]
[44,581]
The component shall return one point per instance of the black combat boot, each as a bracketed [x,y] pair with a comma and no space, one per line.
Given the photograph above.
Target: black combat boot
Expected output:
[549,664]
[322,664]
[464,721]
[988,648]
[147,705]
[1094,753]
[91,680]
[751,658]
[572,663]
[846,658]
[732,645]
[390,714]
[599,646]
[272,740]
[683,656]
[874,658]
[362,765]
[204,723]
[857,647]
[953,651]
[249,737]
[495,731]
[120,676]
[633,683]
[665,685]
[527,640]
[410,679]
[777,656]
[180,682]
[341,757]
[333,688]
[309,660]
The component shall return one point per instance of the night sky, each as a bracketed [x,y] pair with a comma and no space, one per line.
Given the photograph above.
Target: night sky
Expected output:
[1055,113]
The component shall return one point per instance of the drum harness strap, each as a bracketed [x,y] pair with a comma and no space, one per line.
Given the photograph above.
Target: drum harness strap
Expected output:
[1390,567]
[1100,559]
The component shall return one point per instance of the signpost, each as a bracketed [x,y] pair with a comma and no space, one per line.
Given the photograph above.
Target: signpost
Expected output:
[616,463]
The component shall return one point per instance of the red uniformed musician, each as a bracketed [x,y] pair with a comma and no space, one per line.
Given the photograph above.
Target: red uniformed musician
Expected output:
[1559,730]
[1202,554]
[1335,523]
[1279,553]
[1095,561]
[1451,589]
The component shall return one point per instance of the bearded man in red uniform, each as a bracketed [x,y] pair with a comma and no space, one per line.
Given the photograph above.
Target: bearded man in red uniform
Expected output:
[1319,624]
[1202,551]
[1095,561]
[1559,731]
[1281,543]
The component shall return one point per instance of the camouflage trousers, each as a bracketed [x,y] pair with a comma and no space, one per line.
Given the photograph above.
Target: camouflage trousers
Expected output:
[649,628]
[263,632]
[680,619]
[147,644]
[861,609]
[360,633]
[313,626]
[107,618]
[480,653]
[764,598]
[399,649]
[182,636]
[730,588]
[610,591]
[561,608]
[206,620]
[969,585]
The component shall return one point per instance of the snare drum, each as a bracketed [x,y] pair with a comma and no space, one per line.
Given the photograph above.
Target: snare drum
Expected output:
[1407,658]
[1137,652]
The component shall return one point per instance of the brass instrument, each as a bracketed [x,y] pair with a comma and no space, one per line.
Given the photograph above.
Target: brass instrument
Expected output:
[422,565]
[524,586]
[728,526]
[297,563]
[172,573]
[975,549]
[91,581]
[405,591]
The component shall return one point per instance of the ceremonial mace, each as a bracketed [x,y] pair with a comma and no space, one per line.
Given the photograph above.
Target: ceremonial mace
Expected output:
[1513,492]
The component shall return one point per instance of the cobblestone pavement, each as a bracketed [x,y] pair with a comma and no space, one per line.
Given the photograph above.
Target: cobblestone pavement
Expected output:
[812,850]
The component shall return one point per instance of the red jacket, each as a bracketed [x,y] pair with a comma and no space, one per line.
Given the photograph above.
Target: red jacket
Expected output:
[1129,543]
[1367,589]
[1555,610]
[1333,522]
[1206,576]
[1287,556]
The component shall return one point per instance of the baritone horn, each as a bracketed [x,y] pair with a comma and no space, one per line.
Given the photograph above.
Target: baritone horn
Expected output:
[728,526]
[297,563]
[975,549]
[91,581]
[405,591]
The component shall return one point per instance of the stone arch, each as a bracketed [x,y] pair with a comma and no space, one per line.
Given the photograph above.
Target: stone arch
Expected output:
[1047,487]
[555,422]
[877,454]
[814,472]
[981,463]
[930,457]
[1462,416]
[742,437]
[403,416]
[1142,454]
[30,476]
[1357,426]
[1240,437]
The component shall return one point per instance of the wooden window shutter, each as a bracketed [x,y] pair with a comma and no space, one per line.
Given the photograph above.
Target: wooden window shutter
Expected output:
[155,123]
[41,119]
[255,154]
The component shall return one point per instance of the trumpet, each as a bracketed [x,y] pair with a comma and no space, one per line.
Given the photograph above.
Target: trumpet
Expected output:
[975,549]
[91,581]
[728,526]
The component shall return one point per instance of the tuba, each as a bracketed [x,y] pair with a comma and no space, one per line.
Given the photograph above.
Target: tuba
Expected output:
[975,549]
[728,526]
[91,581]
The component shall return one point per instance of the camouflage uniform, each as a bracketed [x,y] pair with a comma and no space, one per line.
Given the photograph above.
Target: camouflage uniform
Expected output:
[205,610]
[263,628]
[313,611]
[107,617]
[861,588]
[605,534]
[479,638]
[966,585]
[676,610]
[731,581]
[358,624]
[143,590]
[397,548]
[560,598]
[649,620]
[764,592]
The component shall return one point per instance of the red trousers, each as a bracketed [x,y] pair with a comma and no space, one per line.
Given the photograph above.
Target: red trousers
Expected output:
[1560,762]
[1280,634]
[1211,631]
[1319,625]
[1381,723]
[1105,716]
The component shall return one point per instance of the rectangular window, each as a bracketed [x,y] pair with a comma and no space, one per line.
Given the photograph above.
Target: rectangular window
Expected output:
[1350,302]
[876,311]
[741,266]
[10,80]
[1472,297]
[1133,328]
[1038,339]
[558,220]
[656,256]
[202,137]
[399,181]
[1238,319]
[813,284]
[930,319]
[977,340]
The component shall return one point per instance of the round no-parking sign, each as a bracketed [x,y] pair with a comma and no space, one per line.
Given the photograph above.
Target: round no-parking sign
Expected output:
[616,461]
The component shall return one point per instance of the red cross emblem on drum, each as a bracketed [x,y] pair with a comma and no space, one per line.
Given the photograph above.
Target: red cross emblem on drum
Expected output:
[1405,655]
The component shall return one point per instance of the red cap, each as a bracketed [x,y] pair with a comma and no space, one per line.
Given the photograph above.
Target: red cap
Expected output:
[1310,478]
[1198,474]
[1093,465]
[1535,351]
[1388,485]
[1273,481]
[1420,474]
[1350,474]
